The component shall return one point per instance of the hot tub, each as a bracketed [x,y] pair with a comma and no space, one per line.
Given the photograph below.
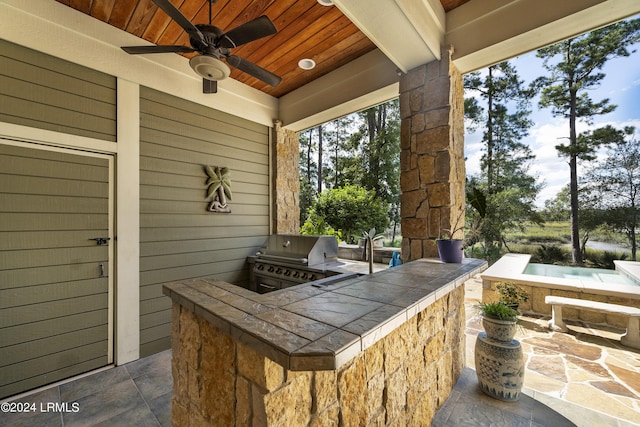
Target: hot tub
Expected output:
[619,286]
[601,275]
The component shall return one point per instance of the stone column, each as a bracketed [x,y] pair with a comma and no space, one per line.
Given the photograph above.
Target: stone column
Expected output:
[286,180]
[432,177]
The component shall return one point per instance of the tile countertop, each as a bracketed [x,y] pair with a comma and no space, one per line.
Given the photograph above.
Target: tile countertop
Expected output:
[321,327]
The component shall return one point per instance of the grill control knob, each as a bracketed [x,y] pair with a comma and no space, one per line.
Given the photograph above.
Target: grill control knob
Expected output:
[278,270]
[312,277]
[296,274]
[271,268]
[287,273]
[304,276]
[260,267]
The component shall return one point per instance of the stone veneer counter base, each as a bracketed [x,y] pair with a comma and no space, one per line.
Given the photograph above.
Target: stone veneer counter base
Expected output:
[380,349]
[315,327]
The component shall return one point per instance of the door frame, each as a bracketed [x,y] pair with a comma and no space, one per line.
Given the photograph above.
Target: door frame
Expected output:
[111,225]
[126,150]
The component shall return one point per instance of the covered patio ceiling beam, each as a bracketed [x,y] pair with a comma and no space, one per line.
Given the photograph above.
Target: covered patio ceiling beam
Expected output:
[409,32]
[366,81]
[485,32]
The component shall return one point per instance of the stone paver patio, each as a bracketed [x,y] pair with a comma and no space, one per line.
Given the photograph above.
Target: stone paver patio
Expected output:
[587,367]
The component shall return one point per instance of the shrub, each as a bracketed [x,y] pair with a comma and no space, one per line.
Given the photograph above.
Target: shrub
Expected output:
[316,226]
[350,210]
[603,259]
[550,254]
[511,294]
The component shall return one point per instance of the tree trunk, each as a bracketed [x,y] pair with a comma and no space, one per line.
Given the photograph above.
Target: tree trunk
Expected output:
[372,130]
[576,253]
[335,162]
[319,159]
[632,232]
[309,159]
[222,198]
[489,158]
[393,235]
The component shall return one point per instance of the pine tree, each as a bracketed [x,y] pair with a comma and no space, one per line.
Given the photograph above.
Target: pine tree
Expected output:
[574,67]
[308,174]
[502,108]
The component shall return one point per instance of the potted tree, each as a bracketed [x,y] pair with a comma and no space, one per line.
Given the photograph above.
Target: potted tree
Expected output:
[499,358]
[450,248]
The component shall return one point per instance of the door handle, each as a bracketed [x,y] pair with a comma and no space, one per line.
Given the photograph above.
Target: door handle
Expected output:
[101,270]
[101,240]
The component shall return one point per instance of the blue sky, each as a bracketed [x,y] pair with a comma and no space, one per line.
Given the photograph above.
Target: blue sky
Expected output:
[621,85]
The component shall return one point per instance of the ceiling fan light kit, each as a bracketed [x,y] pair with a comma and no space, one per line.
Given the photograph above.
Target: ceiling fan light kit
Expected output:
[209,68]
[326,2]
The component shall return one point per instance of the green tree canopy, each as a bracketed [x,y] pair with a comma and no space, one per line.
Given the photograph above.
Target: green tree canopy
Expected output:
[559,207]
[351,210]
[616,180]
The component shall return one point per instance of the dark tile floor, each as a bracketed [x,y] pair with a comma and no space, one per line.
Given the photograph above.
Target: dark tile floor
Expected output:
[139,394]
[467,405]
[134,394]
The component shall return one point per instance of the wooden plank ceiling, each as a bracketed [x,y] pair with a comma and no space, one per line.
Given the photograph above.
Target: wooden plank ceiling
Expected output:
[306,29]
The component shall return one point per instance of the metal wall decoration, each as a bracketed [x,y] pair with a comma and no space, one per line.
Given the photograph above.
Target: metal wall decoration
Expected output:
[218,188]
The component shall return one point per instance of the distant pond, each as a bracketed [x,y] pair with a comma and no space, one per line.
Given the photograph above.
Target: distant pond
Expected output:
[603,246]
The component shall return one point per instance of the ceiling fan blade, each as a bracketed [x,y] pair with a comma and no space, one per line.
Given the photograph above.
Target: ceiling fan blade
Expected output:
[209,86]
[245,33]
[175,14]
[135,50]
[254,70]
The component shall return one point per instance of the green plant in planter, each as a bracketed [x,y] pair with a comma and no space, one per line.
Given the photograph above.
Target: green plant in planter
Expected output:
[448,233]
[498,356]
[511,294]
[497,310]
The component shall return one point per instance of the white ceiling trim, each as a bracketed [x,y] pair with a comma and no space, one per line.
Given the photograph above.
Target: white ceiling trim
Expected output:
[408,32]
[52,28]
[485,32]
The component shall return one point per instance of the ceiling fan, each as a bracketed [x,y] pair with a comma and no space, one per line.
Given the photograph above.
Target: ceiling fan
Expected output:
[212,45]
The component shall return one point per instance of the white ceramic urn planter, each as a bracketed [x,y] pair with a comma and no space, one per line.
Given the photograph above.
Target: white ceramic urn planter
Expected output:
[499,360]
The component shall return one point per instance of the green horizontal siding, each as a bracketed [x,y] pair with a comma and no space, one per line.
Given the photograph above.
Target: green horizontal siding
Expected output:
[179,239]
[45,92]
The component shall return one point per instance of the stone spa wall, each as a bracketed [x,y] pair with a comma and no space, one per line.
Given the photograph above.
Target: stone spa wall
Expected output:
[509,268]
[400,380]
[537,306]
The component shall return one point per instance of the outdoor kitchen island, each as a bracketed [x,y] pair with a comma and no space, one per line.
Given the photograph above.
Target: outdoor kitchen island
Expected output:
[380,349]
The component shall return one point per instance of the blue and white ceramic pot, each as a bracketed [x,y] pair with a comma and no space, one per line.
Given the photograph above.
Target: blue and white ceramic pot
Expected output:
[500,361]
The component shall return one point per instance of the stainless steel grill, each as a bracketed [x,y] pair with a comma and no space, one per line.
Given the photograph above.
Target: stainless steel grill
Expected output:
[289,260]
